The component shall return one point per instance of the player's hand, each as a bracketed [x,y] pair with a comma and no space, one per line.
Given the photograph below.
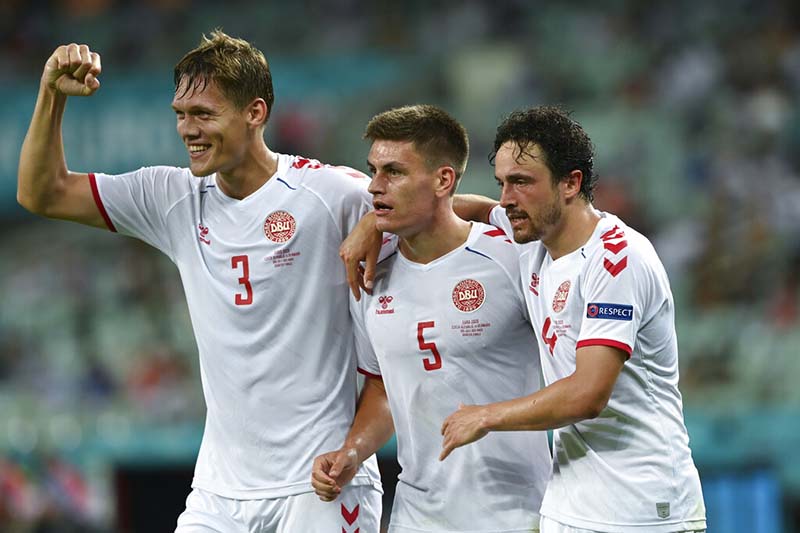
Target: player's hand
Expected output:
[363,244]
[72,70]
[332,471]
[463,427]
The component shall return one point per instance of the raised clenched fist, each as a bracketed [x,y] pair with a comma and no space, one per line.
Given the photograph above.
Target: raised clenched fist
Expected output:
[72,70]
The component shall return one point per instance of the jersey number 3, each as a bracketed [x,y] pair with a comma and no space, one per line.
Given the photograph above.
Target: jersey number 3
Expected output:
[247,298]
[429,364]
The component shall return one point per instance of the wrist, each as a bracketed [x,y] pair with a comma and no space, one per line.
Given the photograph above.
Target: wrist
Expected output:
[371,220]
[48,91]
[489,420]
[353,452]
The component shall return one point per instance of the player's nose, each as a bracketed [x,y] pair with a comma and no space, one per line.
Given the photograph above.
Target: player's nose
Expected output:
[376,184]
[506,197]
[188,128]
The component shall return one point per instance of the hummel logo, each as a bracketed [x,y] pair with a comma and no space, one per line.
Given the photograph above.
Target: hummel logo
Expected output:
[203,234]
[534,286]
[384,302]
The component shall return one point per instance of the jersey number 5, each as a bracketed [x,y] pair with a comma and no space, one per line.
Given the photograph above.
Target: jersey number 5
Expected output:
[247,299]
[429,364]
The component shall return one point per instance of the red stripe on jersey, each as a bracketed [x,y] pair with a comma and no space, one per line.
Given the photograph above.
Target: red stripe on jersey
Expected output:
[613,233]
[615,268]
[605,342]
[495,233]
[99,202]
[615,248]
[369,374]
[353,173]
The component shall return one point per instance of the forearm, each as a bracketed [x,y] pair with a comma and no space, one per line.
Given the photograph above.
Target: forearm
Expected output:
[42,167]
[372,425]
[473,207]
[363,244]
[580,396]
[562,403]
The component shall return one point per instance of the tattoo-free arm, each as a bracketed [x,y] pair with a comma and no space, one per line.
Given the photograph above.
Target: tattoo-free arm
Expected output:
[372,427]
[473,207]
[579,396]
[44,184]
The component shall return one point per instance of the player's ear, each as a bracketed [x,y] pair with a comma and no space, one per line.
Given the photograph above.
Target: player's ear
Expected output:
[258,112]
[446,181]
[571,184]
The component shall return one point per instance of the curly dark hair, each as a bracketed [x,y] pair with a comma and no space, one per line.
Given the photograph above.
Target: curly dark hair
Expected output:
[565,144]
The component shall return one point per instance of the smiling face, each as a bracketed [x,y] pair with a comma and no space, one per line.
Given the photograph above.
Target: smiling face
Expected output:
[529,195]
[403,187]
[212,128]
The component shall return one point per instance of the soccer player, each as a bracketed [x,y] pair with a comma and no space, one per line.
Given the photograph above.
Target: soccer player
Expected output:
[446,324]
[602,308]
[255,236]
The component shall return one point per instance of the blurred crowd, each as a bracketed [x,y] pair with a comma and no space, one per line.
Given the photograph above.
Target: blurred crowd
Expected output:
[693,107]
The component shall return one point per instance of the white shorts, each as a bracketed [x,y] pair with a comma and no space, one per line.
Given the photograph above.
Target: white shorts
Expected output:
[358,508]
[401,529]
[548,525]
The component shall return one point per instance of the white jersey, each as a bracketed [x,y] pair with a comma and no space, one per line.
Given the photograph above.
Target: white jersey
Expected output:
[268,301]
[630,469]
[440,334]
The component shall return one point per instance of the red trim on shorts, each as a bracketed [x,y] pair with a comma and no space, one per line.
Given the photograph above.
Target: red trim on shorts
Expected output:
[369,374]
[99,202]
[606,342]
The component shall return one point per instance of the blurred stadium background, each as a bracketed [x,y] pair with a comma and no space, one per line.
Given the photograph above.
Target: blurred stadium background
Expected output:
[693,106]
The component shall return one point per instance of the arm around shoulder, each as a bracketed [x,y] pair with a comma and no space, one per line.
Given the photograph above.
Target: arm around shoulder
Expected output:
[473,207]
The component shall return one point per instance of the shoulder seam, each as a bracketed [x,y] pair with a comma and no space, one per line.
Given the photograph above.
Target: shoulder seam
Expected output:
[323,202]
[305,186]
[175,204]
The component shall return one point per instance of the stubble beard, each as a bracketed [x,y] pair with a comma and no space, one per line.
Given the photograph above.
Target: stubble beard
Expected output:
[538,223]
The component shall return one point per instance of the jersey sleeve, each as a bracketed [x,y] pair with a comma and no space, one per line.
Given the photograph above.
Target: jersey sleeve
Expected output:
[506,255]
[354,198]
[137,203]
[614,287]
[498,218]
[367,360]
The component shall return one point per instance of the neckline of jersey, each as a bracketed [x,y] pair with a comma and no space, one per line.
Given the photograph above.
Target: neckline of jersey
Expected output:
[283,163]
[474,233]
[602,225]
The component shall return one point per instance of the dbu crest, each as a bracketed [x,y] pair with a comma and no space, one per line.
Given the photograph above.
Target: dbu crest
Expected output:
[560,299]
[279,226]
[468,295]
